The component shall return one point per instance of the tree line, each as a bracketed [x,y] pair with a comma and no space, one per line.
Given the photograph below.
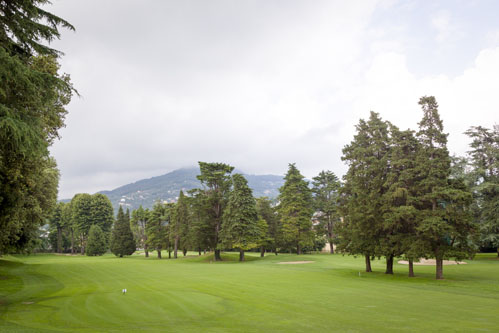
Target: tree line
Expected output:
[402,196]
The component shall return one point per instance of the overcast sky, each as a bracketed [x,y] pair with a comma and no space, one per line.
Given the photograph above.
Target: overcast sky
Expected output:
[260,84]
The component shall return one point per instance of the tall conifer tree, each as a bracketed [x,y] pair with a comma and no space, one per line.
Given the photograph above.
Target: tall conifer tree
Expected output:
[295,210]
[215,178]
[122,242]
[363,206]
[443,203]
[240,228]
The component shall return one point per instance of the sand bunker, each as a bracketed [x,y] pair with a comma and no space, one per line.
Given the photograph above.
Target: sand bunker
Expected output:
[294,262]
[432,262]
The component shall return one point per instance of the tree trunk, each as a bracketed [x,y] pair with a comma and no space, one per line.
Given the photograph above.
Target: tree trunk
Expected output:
[199,251]
[184,252]
[159,253]
[275,250]
[298,249]
[82,247]
[146,250]
[72,242]
[411,268]
[175,248]
[241,255]
[59,240]
[218,257]
[498,252]
[389,264]
[440,269]
[169,253]
[204,251]
[262,251]
[330,233]
[368,264]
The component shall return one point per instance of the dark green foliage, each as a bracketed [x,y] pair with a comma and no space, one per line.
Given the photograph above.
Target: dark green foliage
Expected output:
[240,227]
[295,210]
[326,187]
[216,181]
[363,206]
[270,238]
[484,157]
[444,217]
[122,242]
[97,242]
[33,96]
[400,217]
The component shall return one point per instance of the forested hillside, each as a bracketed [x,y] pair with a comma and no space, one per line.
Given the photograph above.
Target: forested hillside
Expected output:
[167,187]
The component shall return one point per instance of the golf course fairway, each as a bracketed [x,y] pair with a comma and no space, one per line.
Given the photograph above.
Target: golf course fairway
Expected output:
[58,293]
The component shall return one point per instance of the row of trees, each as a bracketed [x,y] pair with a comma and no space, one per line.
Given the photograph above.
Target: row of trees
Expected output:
[403,196]
[86,224]
[223,214]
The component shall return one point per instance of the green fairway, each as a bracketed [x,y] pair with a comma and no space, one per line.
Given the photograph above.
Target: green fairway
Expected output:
[46,293]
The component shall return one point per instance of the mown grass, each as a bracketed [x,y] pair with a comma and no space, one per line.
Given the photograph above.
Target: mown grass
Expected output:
[51,293]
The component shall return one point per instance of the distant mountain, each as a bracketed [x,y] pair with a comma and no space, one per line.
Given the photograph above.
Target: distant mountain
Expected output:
[167,187]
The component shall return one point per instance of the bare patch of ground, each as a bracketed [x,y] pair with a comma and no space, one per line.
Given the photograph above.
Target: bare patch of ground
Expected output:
[294,262]
[432,262]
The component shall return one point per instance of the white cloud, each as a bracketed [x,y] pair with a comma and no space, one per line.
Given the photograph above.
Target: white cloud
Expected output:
[256,86]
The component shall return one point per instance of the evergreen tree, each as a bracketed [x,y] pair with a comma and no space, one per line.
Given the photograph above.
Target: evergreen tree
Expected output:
[399,225]
[216,181]
[295,210]
[122,242]
[33,97]
[363,206]
[97,242]
[240,228]
[326,187]
[484,157]
[443,203]
[272,237]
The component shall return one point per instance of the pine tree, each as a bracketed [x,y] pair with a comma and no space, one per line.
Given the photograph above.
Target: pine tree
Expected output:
[362,201]
[240,228]
[399,226]
[215,178]
[122,242]
[97,242]
[326,187]
[484,157]
[295,210]
[443,203]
